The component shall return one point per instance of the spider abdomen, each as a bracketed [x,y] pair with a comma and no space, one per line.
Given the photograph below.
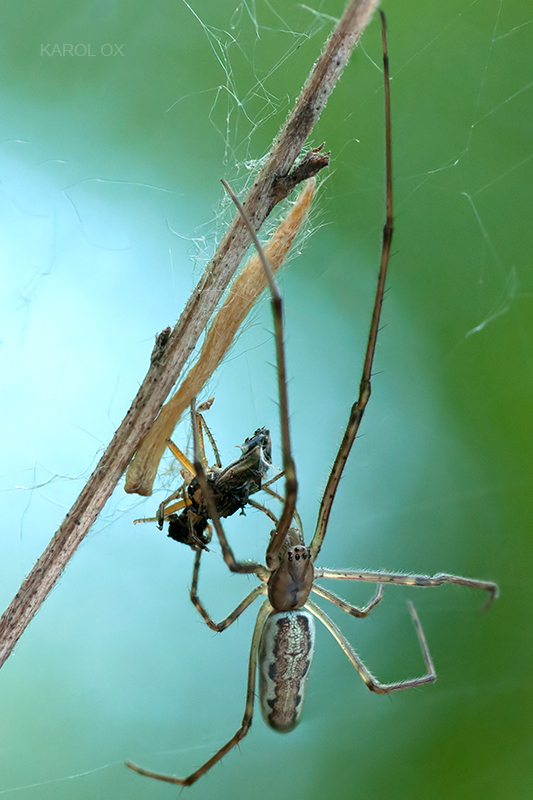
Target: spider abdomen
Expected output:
[285,655]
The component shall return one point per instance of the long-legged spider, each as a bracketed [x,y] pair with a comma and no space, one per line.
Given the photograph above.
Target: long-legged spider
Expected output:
[230,487]
[283,638]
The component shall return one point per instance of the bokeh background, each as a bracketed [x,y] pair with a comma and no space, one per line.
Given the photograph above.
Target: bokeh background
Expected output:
[111,205]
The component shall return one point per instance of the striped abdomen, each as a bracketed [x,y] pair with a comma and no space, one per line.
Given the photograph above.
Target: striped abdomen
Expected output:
[285,655]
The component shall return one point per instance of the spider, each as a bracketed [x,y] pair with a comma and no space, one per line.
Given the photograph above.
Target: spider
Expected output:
[230,486]
[283,638]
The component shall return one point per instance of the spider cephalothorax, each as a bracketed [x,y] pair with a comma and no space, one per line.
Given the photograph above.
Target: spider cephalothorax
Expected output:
[289,584]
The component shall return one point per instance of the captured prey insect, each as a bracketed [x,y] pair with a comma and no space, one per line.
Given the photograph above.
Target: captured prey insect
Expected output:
[283,637]
[229,486]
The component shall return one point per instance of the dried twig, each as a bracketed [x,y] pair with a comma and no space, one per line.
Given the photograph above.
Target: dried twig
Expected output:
[272,185]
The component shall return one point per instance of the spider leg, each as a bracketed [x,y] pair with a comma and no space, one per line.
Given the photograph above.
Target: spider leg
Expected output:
[266,488]
[227,552]
[291,484]
[225,623]
[355,611]
[358,408]
[246,720]
[373,684]
[406,579]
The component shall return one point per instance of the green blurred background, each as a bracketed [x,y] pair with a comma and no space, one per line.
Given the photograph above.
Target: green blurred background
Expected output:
[111,205]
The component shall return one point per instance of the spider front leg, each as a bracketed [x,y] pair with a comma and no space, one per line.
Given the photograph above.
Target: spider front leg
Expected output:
[264,611]
[365,388]
[373,684]
[405,579]
[289,469]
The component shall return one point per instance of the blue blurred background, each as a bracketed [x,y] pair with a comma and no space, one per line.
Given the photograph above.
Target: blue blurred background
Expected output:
[111,206]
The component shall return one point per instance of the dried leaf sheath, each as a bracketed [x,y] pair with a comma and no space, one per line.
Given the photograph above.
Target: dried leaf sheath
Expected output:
[243,293]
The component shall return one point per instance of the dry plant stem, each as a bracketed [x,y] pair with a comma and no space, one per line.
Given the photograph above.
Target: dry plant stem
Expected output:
[172,350]
[244,291]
